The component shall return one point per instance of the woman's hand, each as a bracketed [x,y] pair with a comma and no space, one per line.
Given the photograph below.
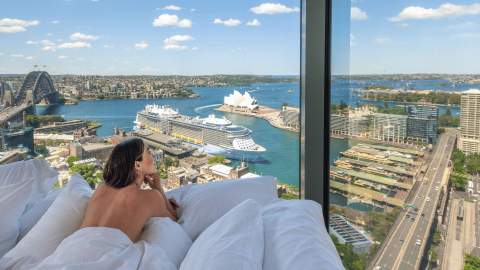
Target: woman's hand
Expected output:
[153,180]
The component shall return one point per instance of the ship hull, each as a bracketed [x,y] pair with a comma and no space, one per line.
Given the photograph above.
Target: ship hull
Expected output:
[233,154]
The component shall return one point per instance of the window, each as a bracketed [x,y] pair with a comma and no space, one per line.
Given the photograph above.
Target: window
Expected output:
[205,85]
[398,93]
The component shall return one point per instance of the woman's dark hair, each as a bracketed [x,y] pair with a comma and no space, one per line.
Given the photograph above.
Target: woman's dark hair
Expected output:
[119,170]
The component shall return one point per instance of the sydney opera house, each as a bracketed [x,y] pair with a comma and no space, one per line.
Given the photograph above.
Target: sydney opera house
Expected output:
[241,101]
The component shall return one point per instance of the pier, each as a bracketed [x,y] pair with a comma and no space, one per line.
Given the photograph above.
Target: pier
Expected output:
[276,118]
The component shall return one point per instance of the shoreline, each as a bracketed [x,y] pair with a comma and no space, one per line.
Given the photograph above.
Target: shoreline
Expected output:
[415,103]
[271,115]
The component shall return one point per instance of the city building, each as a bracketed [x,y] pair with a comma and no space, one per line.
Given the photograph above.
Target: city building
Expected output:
[346,233]
[469,141]
[339,124]
[389,127]
[18,138]
[358,121]
[422,123]
[222,172]
[290,117]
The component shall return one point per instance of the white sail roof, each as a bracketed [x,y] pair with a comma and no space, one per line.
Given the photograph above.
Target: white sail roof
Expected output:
[238,100]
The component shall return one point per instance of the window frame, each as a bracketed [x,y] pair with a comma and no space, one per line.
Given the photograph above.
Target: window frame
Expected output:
[315,75]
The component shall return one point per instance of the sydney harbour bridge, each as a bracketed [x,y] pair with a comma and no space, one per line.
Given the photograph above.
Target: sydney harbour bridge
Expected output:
[37,86]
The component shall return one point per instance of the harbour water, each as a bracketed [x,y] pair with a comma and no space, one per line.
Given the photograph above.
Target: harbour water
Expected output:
[282,146]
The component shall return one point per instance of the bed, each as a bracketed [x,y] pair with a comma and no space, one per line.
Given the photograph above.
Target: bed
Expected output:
[232,224]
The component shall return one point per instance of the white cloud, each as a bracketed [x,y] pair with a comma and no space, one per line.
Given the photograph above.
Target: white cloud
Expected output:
[254,22]
[403,25]
[357,14]
[82,37]
[273,8]
[192,10]
[174,42]
[74,45]
[55,22]
[194,48]
[62,57]
[382,40]
[172,7]
[229,22]
[17,55]
[141,45]
[171,20]
[8,25]
[49,48]
[108,46]
[444,10]
[31,42]
[46,42]
[29,57]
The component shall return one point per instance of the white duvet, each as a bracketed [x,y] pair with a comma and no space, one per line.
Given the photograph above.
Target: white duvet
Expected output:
[104,249]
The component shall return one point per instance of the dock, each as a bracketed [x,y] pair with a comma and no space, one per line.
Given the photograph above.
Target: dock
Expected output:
[273,116]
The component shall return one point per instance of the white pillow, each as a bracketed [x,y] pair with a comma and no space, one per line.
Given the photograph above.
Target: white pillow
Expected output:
[234,242]
[35,171]
[168,235]
[296,237]
[62,218]
[32,215]
[202,204]
[13,199]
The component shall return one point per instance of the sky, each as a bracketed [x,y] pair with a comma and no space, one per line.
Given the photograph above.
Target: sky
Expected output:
[160,37]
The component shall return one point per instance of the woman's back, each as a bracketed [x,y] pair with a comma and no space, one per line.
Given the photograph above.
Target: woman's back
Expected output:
[126,209]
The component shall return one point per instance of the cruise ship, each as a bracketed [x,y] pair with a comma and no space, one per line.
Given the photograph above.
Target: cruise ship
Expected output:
[213,135]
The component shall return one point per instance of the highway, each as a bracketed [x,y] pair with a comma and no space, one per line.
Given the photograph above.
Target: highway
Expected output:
[11,112]
[404,247]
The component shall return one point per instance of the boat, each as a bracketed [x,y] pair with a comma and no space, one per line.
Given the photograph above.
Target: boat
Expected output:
[213,135]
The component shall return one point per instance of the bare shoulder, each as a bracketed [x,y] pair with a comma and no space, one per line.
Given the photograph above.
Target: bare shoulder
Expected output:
[151,195]
[153,198]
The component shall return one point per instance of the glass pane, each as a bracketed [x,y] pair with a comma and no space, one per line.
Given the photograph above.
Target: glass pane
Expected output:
[213,88]
[399,73]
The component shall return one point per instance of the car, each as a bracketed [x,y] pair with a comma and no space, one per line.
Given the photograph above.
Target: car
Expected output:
[418,242]
[428,199]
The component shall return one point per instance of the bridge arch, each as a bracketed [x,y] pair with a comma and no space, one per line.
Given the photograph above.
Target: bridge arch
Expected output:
[37,85]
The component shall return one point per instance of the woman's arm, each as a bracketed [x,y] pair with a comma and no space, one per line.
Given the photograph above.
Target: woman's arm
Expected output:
[153,181]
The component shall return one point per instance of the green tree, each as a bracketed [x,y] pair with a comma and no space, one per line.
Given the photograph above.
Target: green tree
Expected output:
[473,164]
[41,149]
[471,262]
[71,160]
[216,159]
[89,172]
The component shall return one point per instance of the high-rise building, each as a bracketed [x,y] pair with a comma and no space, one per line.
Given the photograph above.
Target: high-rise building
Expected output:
[389,127]
[422,122]
[469,141]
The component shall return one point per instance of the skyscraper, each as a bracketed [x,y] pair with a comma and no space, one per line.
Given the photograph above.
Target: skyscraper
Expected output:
[422,122]
[469,141]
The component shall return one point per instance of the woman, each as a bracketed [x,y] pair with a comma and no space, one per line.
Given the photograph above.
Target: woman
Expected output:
[120,202]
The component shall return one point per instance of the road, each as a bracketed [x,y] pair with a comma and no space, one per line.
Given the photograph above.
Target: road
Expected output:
[404,248]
